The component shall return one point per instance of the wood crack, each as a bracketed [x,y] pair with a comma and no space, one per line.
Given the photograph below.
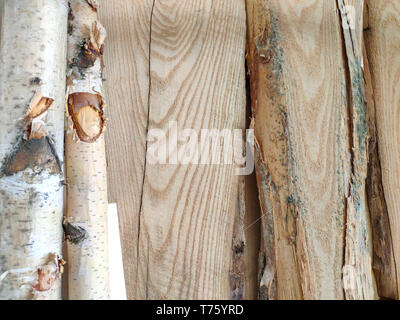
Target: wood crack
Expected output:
[145,151]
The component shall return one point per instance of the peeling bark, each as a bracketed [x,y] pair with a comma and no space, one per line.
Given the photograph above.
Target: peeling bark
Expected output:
[32,91]
[86,221]
[36,154]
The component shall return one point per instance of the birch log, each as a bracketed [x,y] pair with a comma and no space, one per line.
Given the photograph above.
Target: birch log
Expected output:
[32,91]
[86,222]
[309,109]
[383,47]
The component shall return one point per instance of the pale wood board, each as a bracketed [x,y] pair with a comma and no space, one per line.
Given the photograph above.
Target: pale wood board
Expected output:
[309,165]
[197,78]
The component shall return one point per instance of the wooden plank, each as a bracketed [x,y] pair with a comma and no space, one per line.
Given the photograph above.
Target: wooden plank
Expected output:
[383,46]
[126,92]
[309,161]
[237,269]
[117,278]
[197,78]
[358,277]
[1,16]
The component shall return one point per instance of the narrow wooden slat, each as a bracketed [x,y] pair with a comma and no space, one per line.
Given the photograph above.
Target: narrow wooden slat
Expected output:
[310,128]
[126,91]
[383,47]
[252,238]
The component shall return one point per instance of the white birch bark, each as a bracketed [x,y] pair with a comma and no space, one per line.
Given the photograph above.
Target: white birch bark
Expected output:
[86,222]
[32,96]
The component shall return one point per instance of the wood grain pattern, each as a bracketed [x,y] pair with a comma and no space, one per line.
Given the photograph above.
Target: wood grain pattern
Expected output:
[383,263]
[197,78]
[383,46]
[126,87]
[304,121]
[358,278]
[85,222]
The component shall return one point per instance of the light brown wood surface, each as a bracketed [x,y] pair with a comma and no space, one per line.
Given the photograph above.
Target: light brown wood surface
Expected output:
[126,91]
[252,238]
[358,278]
[176,220]
[309,121]
[383,47]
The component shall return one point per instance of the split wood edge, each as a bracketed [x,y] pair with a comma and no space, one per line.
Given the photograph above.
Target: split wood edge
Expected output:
[32,77]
